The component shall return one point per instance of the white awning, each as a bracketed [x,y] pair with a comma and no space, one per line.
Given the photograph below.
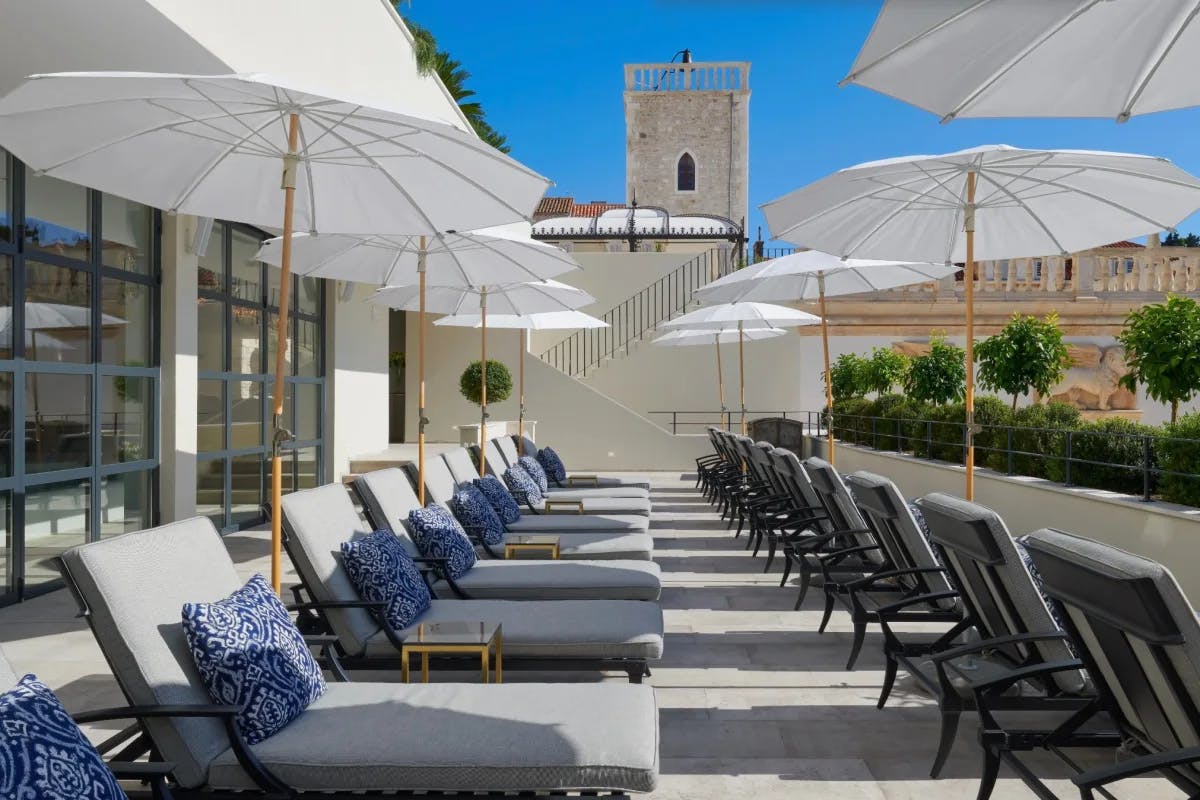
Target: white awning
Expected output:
[648,222]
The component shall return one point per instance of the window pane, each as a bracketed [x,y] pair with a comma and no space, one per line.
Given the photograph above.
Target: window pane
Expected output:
[56,518]
[211,335]
[308,298]
[247,341]
[273,274]
[56,216]
[58,314]
[5,190]
[126,327]
[310,349]
[125,424]
[6,543]
[210,416]
[307,467]
[247,411]
[210,490]
[57,421]
[6,424]
[246,272]
[211,275]
[6,301]
[247,498]
[272,337]
[308,410]
[125,234]
[124,503]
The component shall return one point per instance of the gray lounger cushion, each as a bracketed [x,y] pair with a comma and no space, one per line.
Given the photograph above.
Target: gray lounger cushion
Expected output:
[388,497]
[528,448]
[464,737]
[585,629]
[318,520]
[440,483]
[583,491]
[602,505]
[528,579]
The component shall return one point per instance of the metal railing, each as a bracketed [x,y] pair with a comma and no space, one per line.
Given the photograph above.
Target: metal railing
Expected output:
[690,421]
[1067,455]
[643,313]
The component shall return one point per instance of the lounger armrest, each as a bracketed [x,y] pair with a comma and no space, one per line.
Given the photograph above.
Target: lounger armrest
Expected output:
[849,551]
[550,505]
[997,641]
[893,573]
[594,480]
[149,771]
[824,538]
[151,712]
[522,498]
[1019,674]
[1095,778]
[899,605]
[319,605]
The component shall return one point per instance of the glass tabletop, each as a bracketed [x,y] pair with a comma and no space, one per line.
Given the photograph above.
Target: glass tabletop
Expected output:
[457,632]
[542,541]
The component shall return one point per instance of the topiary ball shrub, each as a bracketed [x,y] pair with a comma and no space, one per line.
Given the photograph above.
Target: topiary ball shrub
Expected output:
[1179,451]
[1117,447]
[499,383]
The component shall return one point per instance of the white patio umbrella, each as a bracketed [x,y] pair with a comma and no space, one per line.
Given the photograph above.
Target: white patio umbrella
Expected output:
[522,323]
[743,317]
[814,275]
[696,337]
[984,58]
[513,299]
[495,255]
[990,202]
[216,146]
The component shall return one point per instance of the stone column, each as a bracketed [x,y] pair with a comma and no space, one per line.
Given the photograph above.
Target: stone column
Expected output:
[1084,276]
[177,475]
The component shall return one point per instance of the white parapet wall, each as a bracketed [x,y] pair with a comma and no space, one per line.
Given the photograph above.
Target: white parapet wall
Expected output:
[1165,532]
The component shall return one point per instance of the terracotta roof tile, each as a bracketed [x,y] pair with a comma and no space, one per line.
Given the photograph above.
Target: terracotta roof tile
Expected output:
[593,209]
[554,207]
[1124,244]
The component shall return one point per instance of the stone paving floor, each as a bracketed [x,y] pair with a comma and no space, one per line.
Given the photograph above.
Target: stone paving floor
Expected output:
[753,702]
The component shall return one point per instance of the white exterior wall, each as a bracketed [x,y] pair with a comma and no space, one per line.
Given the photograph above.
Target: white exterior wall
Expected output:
[356,383]
[177,422]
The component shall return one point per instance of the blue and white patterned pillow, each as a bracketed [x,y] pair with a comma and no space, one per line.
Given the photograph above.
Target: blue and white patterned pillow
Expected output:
[438,535]
[1056,611]
[43,754]
[552,464]
[383,572]
[502,502]
[531,465]
[474,511]
[521,481]
[251,655]
[923,527]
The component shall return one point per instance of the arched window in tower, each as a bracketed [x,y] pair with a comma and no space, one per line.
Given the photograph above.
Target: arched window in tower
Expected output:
[685,174]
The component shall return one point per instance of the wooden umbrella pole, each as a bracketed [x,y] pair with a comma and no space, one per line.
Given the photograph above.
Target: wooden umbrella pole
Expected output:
[521,385]
[828,382]
[421,378]
[279,434]
[969,279]
[742,377]
[720,382]
[483,382]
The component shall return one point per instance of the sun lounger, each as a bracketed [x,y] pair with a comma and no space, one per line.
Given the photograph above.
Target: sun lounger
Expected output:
[440,482]
[528,448]
[388,497]
[407,739]
[557,634]
[581,486]
[578,500]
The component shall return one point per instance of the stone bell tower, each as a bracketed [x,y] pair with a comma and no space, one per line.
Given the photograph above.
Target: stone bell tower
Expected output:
[687,136]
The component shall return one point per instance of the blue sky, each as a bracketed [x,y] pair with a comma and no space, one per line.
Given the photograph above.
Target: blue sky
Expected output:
[549,73]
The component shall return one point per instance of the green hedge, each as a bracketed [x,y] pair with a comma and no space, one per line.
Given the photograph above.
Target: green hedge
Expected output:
[1179,451]
[1117,446]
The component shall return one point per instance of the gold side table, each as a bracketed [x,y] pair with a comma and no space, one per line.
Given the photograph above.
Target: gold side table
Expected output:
[514,546]
[456,638]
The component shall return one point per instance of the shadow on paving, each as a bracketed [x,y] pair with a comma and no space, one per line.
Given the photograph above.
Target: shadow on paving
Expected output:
[775,651]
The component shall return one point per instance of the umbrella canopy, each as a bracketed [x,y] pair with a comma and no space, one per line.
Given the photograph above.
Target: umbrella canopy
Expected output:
[967,58]
[721,315]
[813,275]
[696,337]
[52,316]
[1027,203]
[489,256]
[799,277]
[214,146]
[514,298]
[542,321]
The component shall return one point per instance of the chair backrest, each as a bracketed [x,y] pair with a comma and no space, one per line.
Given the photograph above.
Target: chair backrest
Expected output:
[461,465]
[507,448]
[439,481]
[1137,633]
[725,445]
[132,589]
[759,465]
[315,523]
[997,589]
[836,500]
[387,496]
[897,531]
[528,447]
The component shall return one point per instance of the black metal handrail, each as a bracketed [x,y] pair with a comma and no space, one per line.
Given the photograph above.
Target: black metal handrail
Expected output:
[640,314]
[916,436]
[719,419]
